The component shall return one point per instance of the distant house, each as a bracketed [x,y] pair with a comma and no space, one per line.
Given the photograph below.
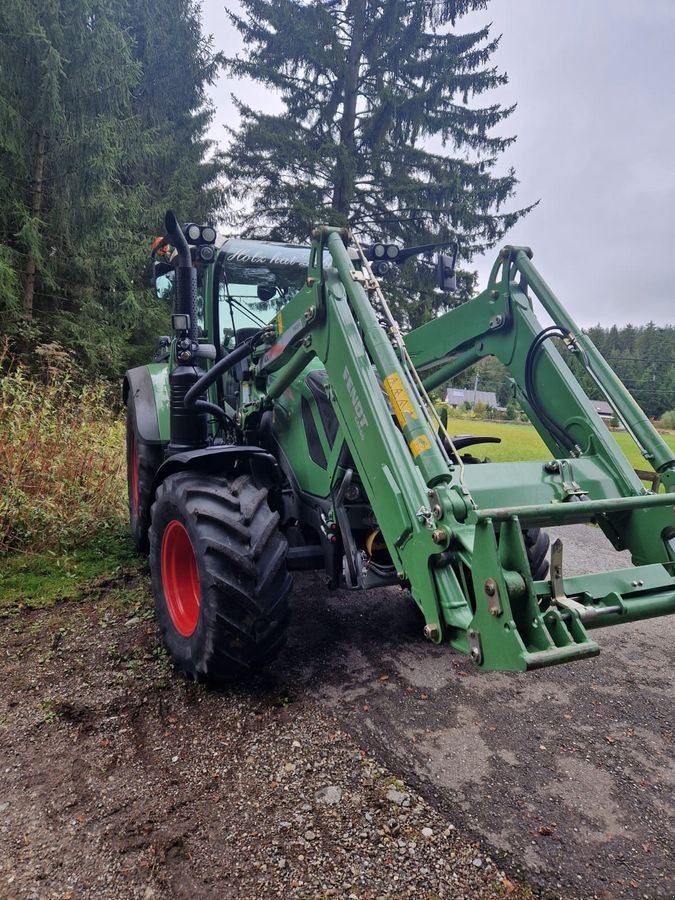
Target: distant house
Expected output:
[603,409]
[458,396]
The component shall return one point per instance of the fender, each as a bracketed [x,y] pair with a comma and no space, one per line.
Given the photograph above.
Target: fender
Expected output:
[221,460]
[149,387]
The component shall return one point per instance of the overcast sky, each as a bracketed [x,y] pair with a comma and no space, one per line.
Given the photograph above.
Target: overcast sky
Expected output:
[594,82]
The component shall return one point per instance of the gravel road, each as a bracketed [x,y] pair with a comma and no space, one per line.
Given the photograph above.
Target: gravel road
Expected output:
[568,772]
[366,764]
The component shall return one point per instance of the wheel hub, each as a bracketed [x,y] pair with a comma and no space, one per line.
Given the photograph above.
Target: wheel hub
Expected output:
[180,578]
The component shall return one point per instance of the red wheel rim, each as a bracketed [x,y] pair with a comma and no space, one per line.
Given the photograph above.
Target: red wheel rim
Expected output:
[180,578]
[133,465]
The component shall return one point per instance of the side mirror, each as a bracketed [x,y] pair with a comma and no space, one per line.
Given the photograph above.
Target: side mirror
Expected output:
[162,279]
[266,292]
[446,276]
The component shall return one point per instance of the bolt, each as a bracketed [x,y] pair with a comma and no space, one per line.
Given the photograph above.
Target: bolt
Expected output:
[490,587]
[400,576]
[431,632]
[437,510]
[309,312]
[307,341]
[430,493]
[494,295]
[439,536]
[475,654]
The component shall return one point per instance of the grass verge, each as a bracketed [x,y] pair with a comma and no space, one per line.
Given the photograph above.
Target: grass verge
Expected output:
[39,580]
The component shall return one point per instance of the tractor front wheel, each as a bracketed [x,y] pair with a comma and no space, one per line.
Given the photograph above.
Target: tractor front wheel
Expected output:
[143,460]
[218,567]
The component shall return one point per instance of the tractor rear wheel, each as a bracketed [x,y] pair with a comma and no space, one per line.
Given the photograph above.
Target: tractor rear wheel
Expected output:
[143,460]
[218,567]
[537,543]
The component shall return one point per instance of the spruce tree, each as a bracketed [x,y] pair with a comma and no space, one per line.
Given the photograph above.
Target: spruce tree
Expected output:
[179,166]
[102,127]
[65,85]
[381,126]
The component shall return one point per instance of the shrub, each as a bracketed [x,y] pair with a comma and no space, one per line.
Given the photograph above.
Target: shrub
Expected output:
[667,420]
[62,478]
[452,411]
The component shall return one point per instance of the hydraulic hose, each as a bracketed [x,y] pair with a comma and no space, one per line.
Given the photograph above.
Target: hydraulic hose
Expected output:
[222,366]
[561,434]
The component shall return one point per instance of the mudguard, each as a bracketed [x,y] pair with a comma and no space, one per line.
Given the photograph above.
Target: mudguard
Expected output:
[149,387]
[221,460]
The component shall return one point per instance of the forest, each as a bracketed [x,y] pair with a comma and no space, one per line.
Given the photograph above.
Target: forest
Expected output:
[103,121]
[104,124]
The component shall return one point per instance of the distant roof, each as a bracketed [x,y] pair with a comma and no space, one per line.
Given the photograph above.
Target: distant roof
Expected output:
[455,396]
[602,407]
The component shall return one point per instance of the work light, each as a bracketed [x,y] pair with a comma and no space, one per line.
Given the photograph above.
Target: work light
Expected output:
[193,233]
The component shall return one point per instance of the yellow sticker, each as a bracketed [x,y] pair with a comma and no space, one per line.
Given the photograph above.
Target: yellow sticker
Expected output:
[400,401]
[280,324]
[419,445]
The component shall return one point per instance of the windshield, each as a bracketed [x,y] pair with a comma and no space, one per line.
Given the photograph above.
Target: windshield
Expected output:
[256,279]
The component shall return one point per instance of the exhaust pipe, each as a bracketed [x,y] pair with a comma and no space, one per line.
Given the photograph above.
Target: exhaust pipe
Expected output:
[189,426]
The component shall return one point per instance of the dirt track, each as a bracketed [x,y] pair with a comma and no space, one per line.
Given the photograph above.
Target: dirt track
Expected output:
[119,779]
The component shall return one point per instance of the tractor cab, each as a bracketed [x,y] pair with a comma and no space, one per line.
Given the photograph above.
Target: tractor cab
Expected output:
[253,280]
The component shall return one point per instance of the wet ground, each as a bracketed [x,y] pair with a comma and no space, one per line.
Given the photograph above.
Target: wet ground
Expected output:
[568,771]
[117,778]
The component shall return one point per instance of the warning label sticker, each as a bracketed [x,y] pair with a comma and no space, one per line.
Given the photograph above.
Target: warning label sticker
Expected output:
[400,400]
[419,445]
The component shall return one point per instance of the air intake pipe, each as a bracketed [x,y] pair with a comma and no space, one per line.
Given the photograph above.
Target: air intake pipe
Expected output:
[189,426]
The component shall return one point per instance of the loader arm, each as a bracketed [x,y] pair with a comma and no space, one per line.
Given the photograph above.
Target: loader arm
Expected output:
[453,532]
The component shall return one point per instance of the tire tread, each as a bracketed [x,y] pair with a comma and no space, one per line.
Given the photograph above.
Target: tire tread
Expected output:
[241,557]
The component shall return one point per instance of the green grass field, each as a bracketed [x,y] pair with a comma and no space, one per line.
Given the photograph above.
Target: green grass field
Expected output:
[521,442]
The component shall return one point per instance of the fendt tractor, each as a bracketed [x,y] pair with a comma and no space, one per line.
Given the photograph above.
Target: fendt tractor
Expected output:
[286,425]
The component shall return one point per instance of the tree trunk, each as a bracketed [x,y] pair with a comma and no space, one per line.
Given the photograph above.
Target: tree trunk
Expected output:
[35,209]
[343,189]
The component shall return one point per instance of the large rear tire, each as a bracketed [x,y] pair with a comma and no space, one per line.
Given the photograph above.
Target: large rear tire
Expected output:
[218,566]
[143,460]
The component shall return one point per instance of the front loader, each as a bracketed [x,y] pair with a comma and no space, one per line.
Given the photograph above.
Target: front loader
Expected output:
[286,425]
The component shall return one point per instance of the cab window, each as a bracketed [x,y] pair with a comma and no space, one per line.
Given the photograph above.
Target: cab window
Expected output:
[256,280]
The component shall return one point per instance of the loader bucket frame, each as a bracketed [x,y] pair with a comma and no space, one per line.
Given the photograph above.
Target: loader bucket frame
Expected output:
[454,532]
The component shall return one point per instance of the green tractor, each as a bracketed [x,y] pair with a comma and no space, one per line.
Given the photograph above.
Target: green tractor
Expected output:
[286,425]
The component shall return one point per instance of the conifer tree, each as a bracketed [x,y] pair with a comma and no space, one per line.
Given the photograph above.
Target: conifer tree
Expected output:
[180,164]
[102,123]
[383,124]
[64,92]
